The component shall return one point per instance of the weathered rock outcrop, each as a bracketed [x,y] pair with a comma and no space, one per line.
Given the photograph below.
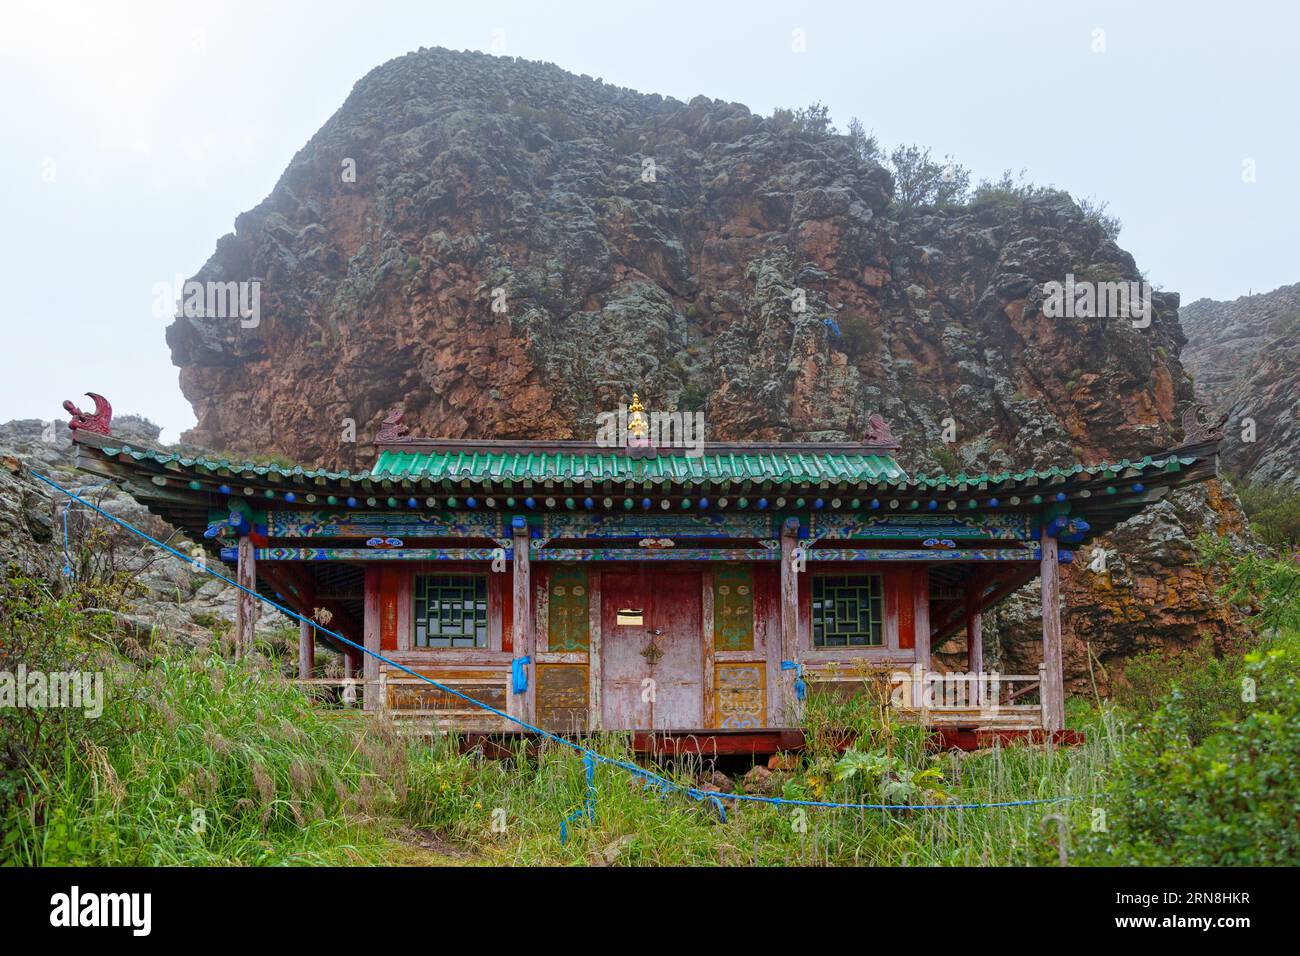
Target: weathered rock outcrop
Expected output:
[1150,594]
[157,596]
[521,248]
[1245,358]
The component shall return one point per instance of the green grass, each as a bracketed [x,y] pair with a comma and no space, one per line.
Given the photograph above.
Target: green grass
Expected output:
[457,794]
[276,781]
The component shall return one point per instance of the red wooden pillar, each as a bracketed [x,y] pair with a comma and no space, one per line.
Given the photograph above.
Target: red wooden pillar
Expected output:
[1053,689]
[523,634]
[790,609]
[246,607]
[372,627]
[974,628]
[921,612]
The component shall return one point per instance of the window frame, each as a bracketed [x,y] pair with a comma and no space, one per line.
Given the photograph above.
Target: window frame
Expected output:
[480,582]
[876,617]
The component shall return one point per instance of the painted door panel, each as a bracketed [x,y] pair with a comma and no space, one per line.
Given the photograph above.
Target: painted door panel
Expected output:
[652,672]
[621,663]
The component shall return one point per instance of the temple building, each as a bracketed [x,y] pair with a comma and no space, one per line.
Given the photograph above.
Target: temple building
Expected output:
[697,593]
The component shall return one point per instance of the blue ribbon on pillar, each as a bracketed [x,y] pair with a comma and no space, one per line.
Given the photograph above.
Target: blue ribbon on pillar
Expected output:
[518,674]
[800,687]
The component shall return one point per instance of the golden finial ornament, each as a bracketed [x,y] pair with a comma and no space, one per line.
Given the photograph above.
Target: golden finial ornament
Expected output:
[637,427]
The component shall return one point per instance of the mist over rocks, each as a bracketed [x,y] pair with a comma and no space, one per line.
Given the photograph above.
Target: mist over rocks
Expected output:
[505,249]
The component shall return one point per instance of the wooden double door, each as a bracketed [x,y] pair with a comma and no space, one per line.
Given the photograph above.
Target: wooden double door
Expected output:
[652,672]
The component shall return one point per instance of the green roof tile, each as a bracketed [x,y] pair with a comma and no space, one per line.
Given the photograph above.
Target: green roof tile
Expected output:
[779,467]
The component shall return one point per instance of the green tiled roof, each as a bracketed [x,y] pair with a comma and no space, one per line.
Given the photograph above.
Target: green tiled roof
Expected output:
[779,466]
[224,464]
[1102,469]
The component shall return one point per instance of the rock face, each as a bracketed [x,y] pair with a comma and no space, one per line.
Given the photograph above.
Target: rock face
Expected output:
[1245,360]
[504,249]
[502,267]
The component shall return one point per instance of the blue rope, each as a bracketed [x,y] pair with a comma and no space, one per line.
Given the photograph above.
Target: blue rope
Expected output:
[588,808]
[590,757]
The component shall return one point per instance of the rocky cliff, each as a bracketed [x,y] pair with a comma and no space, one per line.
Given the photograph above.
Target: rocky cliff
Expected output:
[504,249]
[522,247]
[1245,359]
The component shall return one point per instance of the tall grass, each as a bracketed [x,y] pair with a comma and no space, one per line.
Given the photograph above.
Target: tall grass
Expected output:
[468,797]
[200,761]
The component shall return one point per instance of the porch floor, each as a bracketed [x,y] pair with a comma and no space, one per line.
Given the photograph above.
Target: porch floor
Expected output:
[761,742]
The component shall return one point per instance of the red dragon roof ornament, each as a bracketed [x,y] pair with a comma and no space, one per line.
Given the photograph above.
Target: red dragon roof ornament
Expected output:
[96,422]
[393,428]
[878,433]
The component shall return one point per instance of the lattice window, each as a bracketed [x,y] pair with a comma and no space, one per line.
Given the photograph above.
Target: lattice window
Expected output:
[847,610]
[451,610]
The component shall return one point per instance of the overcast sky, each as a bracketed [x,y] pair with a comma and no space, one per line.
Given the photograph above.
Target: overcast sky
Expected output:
[134,133]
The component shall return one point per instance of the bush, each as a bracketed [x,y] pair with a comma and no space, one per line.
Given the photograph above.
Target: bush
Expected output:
[1268,588]
[1008,191]
[921,182]
[864,144]
[1229,799]
[814,120]
[859,336]
[1095,212]
[1274,513]
[1206,686]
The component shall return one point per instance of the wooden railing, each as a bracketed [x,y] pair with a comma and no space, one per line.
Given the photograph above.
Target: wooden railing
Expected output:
[987,699]
[414,701]
[410,697]
[990,700]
